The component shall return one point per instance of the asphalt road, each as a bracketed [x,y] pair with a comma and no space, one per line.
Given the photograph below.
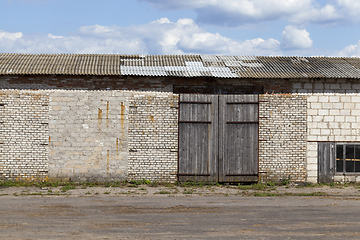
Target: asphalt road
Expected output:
[164,217]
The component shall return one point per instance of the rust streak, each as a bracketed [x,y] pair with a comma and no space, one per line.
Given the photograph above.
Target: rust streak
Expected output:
[122,116]
[107,163]
[117,146]
[99,117]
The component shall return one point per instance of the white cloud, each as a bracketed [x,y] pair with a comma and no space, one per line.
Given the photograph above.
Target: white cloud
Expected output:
[350,9]
[294,38]
[10,36]
[53,36]
[158,37]
[351,50]
[240,12]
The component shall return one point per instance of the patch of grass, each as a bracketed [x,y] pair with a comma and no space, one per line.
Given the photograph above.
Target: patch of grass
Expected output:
[35,193]
[313,194]
[271,184]
[147,182]
[68,187]
[256,186]
[128,192]
[168,185]
[265,194]
[88,193]
[163,192]
[107,192]
[285,181]
[189,191]
[154,184]
[136,182]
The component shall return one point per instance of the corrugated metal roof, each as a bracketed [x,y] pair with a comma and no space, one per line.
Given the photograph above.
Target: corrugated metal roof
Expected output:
[180,65]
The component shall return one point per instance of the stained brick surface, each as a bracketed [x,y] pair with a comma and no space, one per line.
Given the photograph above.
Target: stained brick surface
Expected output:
[88,131]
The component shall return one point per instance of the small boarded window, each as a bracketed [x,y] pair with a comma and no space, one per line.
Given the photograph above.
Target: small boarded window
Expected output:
[348,158]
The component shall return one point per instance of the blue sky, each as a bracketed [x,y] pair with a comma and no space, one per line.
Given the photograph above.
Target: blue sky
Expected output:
[222,27]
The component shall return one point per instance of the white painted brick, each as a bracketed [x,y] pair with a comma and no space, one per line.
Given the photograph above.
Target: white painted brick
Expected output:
[316,105]
[334,125]
[350,118]
[318,118]
[315,131]
[340,119]
[312,112]
[334,99]
[312,167]
[312,138]
[326,105]
[325,131]
[350,138]
[355,99]
[338,105]
[312,147]
[323,99]
[322,138]
[329,118]
[324,112]
[323,125]
[312,154]
[313,99]
[344,112]
[311,178]
[355,112]
[345,99]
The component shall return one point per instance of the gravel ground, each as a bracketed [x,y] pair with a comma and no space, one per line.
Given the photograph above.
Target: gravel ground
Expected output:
[338,190]
[174,212]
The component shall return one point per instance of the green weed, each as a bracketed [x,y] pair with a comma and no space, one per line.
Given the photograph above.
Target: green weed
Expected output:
[163,192]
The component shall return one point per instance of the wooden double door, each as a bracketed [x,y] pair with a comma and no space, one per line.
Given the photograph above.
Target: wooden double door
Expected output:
[218,138]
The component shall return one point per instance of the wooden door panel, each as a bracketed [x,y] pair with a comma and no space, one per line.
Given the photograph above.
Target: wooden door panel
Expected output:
[238,142]
[326,162]
[198,134]
[218,138]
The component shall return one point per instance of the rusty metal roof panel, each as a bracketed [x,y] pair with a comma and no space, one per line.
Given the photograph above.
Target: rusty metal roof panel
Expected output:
[180,65]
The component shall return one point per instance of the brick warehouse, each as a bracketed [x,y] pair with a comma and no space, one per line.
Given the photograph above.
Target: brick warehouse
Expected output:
[105,117]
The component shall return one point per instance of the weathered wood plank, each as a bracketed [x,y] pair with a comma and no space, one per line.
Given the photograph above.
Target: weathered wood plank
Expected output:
[197,131]
[326,162]
[238,138]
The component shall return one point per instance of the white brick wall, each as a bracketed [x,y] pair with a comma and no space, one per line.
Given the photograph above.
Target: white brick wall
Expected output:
[153,136]
[89,135]
[336,119]
[282,134]
[24,139]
